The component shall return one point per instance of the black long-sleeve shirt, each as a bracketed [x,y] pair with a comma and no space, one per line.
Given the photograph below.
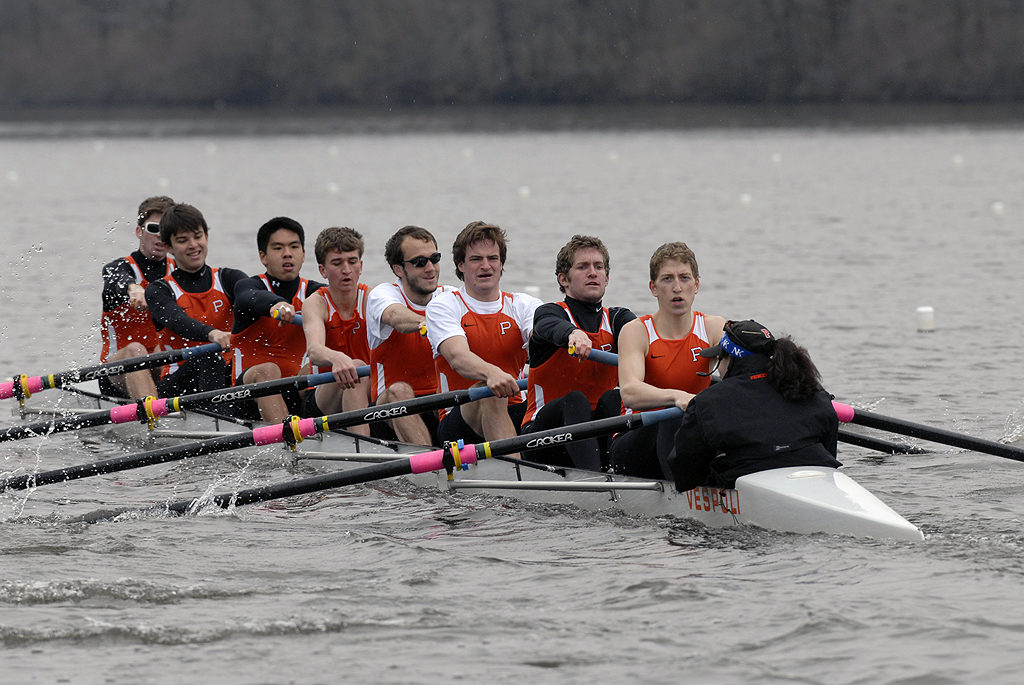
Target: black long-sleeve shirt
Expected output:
[118,275]
[552,327]
[168,314]
[253,300]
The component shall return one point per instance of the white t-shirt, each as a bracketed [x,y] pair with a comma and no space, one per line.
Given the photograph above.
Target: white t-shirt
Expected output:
[445,311]
[379,299]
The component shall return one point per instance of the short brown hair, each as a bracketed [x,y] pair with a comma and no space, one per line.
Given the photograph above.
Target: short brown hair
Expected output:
[179,218]
[340,238]
[673,252]
[567,255]
[475,232]
[393,247]
[157,203]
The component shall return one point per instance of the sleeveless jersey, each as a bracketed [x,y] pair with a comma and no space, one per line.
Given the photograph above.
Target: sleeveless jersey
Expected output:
[560,374]
[346,335]
[403,357]
[270,340]
[496,338]
[674,363]
[126,324]
[211,307]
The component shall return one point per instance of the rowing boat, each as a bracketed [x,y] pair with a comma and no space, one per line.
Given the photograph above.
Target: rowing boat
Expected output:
[796,499]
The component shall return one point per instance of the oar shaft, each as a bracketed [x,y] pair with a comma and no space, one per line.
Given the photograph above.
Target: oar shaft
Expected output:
[131,412]
[132,461]
[432,460]
[267,435]
[115,368]
[916,430]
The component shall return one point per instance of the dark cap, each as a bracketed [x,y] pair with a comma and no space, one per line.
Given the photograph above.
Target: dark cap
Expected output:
[742,338]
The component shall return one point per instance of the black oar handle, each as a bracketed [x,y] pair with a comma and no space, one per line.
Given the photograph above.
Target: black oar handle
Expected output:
[916,430]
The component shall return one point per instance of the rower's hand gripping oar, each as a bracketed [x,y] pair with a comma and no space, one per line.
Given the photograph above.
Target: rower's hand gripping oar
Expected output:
[290,432]
[447,458]
[23,386]
[848,414]
[147,410]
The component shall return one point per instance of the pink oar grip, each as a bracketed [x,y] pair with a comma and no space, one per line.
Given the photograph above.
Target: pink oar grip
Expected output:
[434,460]
[844,411]
[126,413]
[269,435]
[35,384]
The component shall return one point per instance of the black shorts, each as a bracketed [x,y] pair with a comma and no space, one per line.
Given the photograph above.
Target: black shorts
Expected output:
[249,410]
[453,427]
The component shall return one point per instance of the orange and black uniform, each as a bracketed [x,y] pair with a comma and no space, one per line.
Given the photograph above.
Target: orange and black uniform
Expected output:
[564,390]
[670,364]
[121,324]
[346,335]
[257,338]
[186,306]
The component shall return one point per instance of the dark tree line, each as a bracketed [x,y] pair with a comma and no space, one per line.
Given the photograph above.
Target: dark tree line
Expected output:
[399,52]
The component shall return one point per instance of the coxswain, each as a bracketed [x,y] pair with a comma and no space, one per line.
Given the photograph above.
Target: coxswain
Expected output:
[769,411]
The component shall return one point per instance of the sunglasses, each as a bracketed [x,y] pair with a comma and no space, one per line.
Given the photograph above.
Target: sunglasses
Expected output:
[421,261]
[151,227]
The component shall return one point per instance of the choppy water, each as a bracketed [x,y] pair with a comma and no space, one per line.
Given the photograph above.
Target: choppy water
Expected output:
[834,235]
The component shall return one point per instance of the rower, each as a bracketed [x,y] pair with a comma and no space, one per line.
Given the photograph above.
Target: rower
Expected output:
[334,323]
[126,326]
[769,411]
[565,390]
[192,304]
[401,362]
[659,359]
[478,335]
[267,343]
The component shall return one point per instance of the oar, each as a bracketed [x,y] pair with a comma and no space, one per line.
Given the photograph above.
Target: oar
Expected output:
[297,319]
[149,409]
[844,436]
[291,431]
[848,414]
[23,386]
[448,458]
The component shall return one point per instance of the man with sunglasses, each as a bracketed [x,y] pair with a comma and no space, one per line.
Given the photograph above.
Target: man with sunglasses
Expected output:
[126,326]
[401,362]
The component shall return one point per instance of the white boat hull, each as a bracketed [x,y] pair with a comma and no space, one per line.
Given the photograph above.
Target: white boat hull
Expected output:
[796,499]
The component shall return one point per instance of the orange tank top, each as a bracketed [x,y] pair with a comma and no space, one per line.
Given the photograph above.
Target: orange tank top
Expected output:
[560,374]
[212,307]
[346,335]
[674,363]
[269,340]
[496,338]
[403,357]
[126,324]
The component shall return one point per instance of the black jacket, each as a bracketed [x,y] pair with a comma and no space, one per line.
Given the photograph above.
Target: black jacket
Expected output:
[743,425]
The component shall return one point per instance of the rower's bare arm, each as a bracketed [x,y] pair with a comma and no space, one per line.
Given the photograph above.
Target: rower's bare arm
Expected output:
[314,316]
[402,319]
[636,393]
[715,326]
[469,365]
